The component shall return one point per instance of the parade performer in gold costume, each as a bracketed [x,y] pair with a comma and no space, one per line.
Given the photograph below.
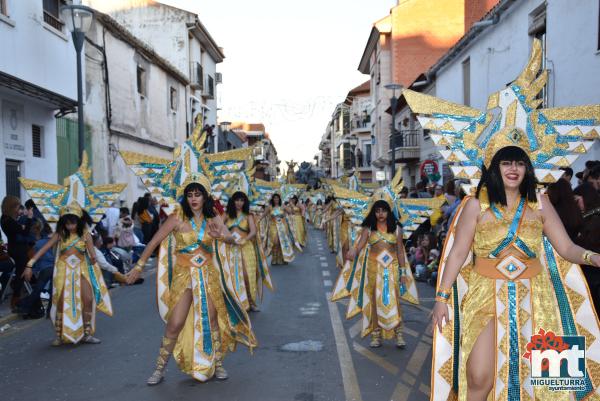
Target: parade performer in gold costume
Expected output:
[204,316]
[195,292]
[78,288]
[296,219]
[246,256]
[77,284]
[280,239]
[509,272]
[376,274]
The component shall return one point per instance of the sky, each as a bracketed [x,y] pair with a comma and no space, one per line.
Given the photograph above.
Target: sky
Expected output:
[288,63]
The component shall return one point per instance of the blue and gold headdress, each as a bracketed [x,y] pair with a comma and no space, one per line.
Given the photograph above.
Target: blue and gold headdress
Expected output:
[165,178]
[469,138]
[54,200]
[410,212]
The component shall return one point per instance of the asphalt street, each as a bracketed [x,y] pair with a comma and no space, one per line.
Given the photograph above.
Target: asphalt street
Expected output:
[307,350]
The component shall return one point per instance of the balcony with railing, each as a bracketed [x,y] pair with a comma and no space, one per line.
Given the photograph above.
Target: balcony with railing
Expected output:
[358,125]
[53,21]
[406,145]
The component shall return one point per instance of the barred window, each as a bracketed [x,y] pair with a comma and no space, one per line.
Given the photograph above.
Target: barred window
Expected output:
[36,140]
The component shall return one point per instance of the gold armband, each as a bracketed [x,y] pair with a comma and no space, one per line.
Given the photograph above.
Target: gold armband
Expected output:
[443,295]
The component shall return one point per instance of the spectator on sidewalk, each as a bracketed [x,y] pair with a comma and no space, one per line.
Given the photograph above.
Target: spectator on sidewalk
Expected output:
[6,268]
[110,273]
[18,248]
[563,199]
[589,237]
[124,234]
[31,306]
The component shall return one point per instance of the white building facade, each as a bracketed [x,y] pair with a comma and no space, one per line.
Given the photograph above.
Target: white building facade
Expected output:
[135,102]
[179,37]
[360,136]
[38,79]
[485,60]
[376,62]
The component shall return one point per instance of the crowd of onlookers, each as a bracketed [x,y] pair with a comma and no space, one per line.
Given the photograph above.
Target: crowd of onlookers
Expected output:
[425,244]
[118,238]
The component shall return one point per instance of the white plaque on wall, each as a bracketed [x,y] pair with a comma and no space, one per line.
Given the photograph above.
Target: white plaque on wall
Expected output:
[13,129]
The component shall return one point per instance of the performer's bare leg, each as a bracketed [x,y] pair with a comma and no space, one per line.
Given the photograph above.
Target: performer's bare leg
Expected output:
[480,365]
[174,326]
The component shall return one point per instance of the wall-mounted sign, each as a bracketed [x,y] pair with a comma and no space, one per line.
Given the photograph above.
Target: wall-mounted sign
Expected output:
[13,129]
[430,170]
[380,175]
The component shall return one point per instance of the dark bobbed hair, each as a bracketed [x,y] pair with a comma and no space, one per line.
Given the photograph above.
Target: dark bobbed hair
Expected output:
[231,212]
[294,198]
[273,197]
[371,220]
[492,179]
[207,207]
[61,226]
[319,202]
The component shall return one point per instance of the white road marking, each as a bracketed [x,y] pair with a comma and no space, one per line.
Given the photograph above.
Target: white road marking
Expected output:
[349,378]
[327,283]
[373,357]
[325,273]
[417,358]
[324,264]
[401,392]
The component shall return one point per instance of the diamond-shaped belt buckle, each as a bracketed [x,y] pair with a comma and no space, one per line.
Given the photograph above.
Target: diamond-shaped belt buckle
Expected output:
[73,261]
[385,258]
[511,267]
[198,260]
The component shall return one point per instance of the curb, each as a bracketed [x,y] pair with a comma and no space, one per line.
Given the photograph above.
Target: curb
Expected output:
[11,317]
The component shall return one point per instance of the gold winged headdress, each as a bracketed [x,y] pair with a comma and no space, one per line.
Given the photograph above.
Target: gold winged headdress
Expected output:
[75,194]
[469,138]
[166,179]
[410,212]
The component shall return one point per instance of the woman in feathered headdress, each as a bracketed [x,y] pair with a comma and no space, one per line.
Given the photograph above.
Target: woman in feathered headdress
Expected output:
[196,295]
[77,284]
[379,275]
[510,285]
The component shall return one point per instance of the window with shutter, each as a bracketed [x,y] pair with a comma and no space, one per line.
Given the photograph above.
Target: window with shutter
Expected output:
[36,140]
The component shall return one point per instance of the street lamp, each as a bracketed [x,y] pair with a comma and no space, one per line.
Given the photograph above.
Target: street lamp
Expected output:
[78,20]
[394,105]
[223,127]
[353,140]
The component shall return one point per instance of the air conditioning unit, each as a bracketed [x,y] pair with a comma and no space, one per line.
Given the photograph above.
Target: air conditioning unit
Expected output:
[218,77]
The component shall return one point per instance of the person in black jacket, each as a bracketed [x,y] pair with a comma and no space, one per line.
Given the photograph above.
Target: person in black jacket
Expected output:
[589,237]
[16,235]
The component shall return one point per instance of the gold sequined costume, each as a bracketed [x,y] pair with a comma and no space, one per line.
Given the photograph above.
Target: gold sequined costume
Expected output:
[249,258]
[71,269]
[512,276]
[280,239]
[194,260]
